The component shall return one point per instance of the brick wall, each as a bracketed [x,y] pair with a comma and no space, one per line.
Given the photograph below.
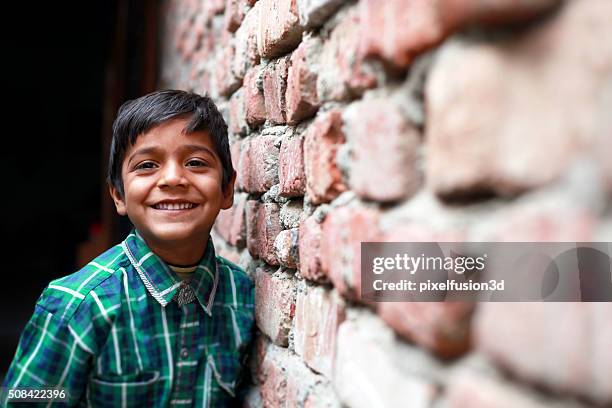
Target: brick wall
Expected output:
[407,120]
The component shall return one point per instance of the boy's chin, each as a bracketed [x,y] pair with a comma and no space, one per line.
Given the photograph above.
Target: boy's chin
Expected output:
[172,236]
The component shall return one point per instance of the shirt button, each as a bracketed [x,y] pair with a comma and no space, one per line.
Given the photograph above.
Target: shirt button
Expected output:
[184,353]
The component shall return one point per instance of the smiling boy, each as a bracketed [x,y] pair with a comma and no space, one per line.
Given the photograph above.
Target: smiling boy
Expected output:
[158,320]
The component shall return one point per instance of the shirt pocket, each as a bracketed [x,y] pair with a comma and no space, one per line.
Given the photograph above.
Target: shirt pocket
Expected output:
[130,390]
[226,367]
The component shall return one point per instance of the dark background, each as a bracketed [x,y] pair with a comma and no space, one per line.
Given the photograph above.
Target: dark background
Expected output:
[66,68]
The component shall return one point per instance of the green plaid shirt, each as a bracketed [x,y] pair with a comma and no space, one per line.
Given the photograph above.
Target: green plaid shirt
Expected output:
[112,335]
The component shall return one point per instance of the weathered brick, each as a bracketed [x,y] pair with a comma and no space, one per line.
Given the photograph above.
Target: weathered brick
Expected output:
[301,98]
[286,247]
[563,346]
[289,383]
[490,136]
[290,214]
[254,98]
[367,350]
[441,327]
[460,13]
[279,27]
[541,222]
[274,386]
[383,143]
[310,250]
[259,164]
[318,314]
[237,123]
[472,390]
[251,213]
[234,14]
[236,152]
[274,88]
[225,79]
[291,173]
[230,223]
[308,390]
[246,56]
[265,228]
[274,305]
[313,13]
[397,30]
[343,231]
[343,73]
[323,177]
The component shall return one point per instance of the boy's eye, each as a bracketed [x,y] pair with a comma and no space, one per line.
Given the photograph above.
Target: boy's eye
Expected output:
[145,165]
[196,163]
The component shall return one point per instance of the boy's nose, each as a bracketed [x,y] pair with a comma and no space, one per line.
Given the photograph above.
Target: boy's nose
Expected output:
[171,174]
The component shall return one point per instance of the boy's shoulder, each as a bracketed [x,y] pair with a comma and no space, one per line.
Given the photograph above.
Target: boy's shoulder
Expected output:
[63,296]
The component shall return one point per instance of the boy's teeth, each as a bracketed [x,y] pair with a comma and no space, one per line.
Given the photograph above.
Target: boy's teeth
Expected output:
[174,206]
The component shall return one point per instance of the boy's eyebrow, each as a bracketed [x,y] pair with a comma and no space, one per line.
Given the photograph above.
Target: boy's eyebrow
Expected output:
[189,147]
[197,148]
[144,150]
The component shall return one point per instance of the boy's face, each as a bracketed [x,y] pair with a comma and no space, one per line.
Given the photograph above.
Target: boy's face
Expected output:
[172,185]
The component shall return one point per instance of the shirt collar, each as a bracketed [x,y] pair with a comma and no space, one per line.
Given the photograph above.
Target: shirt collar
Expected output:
[162,283]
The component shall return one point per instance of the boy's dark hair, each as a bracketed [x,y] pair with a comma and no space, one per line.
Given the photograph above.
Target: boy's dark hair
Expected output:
[138,116]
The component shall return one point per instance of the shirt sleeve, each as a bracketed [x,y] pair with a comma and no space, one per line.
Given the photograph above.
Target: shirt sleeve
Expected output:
[50,354]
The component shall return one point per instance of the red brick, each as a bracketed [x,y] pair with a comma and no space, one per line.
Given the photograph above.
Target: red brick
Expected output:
[226,80]
[274,305]
[234,14]
[231,225]
[247,55]
[259,164]
[212,7]
[475,390]
[306,389]
[323,177]
[367,350]
[291,173]
[302,101]
[562,346]
[343,231]
[459,13]
[251,213]
[540,222]
[313,13]
[310,250]
[441,327]
[343,73]
[417,231]
[383,143]
[397,30]
[274,88]
[317,317]
[268,226]
[263,226]
[279,27]
[237,123]
[254,99]
[274,388]
[286,248]
[483,135]
[289,383]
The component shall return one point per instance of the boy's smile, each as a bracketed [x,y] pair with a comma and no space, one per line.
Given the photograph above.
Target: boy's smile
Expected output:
[173,190]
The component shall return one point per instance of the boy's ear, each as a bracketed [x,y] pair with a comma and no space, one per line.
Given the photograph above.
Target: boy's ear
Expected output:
[118,200]
[228,193]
